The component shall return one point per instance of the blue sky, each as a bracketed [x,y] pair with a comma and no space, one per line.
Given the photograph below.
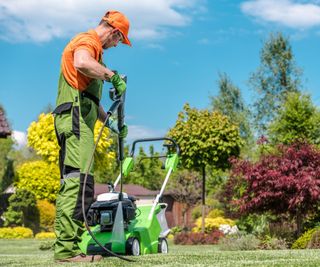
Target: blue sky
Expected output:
[179,48]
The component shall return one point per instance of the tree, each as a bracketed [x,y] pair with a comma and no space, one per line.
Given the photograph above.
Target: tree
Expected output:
[22,210]
[42,138]
[185,187]
[147,171]
[287,182]
[230,103]
[6,174]
[276,76]
[205,138]
[298,120]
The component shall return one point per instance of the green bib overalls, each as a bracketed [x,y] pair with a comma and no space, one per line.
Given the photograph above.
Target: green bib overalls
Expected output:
[75,116]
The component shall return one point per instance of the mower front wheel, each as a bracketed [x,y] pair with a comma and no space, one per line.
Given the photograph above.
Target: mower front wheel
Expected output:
[133,246]
[163,246]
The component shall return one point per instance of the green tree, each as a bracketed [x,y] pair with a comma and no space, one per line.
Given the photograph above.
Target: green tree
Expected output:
[205,138]
[22,210]
[298,120]
[147,171]
[6,174]
[230,103]
[276,76]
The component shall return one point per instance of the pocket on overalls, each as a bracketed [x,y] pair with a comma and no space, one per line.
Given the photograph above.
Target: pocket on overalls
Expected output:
[86,106]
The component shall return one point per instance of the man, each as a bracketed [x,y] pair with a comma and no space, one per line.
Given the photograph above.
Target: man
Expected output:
[78,108]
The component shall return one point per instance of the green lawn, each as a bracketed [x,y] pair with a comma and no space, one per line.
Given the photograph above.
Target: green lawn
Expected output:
[27,253]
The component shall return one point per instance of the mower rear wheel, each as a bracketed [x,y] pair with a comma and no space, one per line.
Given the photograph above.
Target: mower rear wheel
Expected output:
[163,246]
[133,246]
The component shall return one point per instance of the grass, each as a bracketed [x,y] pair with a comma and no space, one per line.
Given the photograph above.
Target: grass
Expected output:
[27,253]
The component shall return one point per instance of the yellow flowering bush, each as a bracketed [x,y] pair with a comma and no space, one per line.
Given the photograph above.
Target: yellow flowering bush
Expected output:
[40,178]
[45,235]
[15,232]
[42,138]
[103,159]
[47,213]
[211,224]
[215,213]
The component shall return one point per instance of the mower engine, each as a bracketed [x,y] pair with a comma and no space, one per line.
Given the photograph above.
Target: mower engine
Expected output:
[103,211]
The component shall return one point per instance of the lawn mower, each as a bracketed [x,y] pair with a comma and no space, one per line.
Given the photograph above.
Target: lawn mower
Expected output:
[115,224]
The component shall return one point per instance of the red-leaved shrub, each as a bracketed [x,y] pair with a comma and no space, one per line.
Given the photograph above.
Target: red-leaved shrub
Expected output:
[284,182]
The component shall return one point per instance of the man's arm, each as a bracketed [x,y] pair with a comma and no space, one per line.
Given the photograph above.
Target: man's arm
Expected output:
[87,65]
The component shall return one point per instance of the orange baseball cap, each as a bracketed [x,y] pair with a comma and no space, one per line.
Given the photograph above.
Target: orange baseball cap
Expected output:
[120,22]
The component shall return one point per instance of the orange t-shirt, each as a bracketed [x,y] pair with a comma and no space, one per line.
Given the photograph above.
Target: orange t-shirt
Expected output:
[89,41]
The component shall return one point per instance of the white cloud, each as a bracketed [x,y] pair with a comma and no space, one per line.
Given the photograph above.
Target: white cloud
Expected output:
[138,132]
[204,41]
[20,139]
[40,21]
[294,14]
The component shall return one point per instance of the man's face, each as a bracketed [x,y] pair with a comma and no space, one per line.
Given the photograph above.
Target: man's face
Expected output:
[113,39]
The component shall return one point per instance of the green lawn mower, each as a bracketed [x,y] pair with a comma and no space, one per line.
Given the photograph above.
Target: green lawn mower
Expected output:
[144,227]
[116,225]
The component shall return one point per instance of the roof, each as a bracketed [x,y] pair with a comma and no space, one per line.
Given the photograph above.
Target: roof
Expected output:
[4,125]
[10,189]
[130,189]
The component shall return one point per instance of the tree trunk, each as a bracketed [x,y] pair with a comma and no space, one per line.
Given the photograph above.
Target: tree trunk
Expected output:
[299,222]
[203,197]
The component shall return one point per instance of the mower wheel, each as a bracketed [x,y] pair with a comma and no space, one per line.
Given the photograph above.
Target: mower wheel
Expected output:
[163,246]
[133,246]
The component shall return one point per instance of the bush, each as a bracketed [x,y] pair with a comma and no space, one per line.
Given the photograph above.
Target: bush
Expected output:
[175,230]
[314,242]
[239,242]
[196,212]
[15,233]
[283,228]
[256,224]
[215,213]
[40,178]
[211,224]
[45,235]
[188,238]
[47,212]
[302,241]
[273,243]
[22,210]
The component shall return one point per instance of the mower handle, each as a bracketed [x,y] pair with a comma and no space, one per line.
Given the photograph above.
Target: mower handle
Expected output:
[118,106]
[154,139]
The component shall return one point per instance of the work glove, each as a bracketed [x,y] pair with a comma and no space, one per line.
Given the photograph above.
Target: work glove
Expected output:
[118,83]
[124,131]
[113,126]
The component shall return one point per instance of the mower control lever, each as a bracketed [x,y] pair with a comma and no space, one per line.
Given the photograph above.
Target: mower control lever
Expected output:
[111,187]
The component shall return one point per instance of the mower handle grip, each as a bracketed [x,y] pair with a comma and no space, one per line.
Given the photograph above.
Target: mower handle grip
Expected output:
[154,139]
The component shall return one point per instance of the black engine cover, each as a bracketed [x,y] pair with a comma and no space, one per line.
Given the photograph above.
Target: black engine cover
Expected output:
[110,207]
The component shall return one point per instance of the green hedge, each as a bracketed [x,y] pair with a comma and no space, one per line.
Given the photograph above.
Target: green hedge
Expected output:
[302,241]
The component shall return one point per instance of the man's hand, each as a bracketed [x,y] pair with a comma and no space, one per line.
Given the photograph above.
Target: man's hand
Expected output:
[118,83]
[124,131]
[113,126]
